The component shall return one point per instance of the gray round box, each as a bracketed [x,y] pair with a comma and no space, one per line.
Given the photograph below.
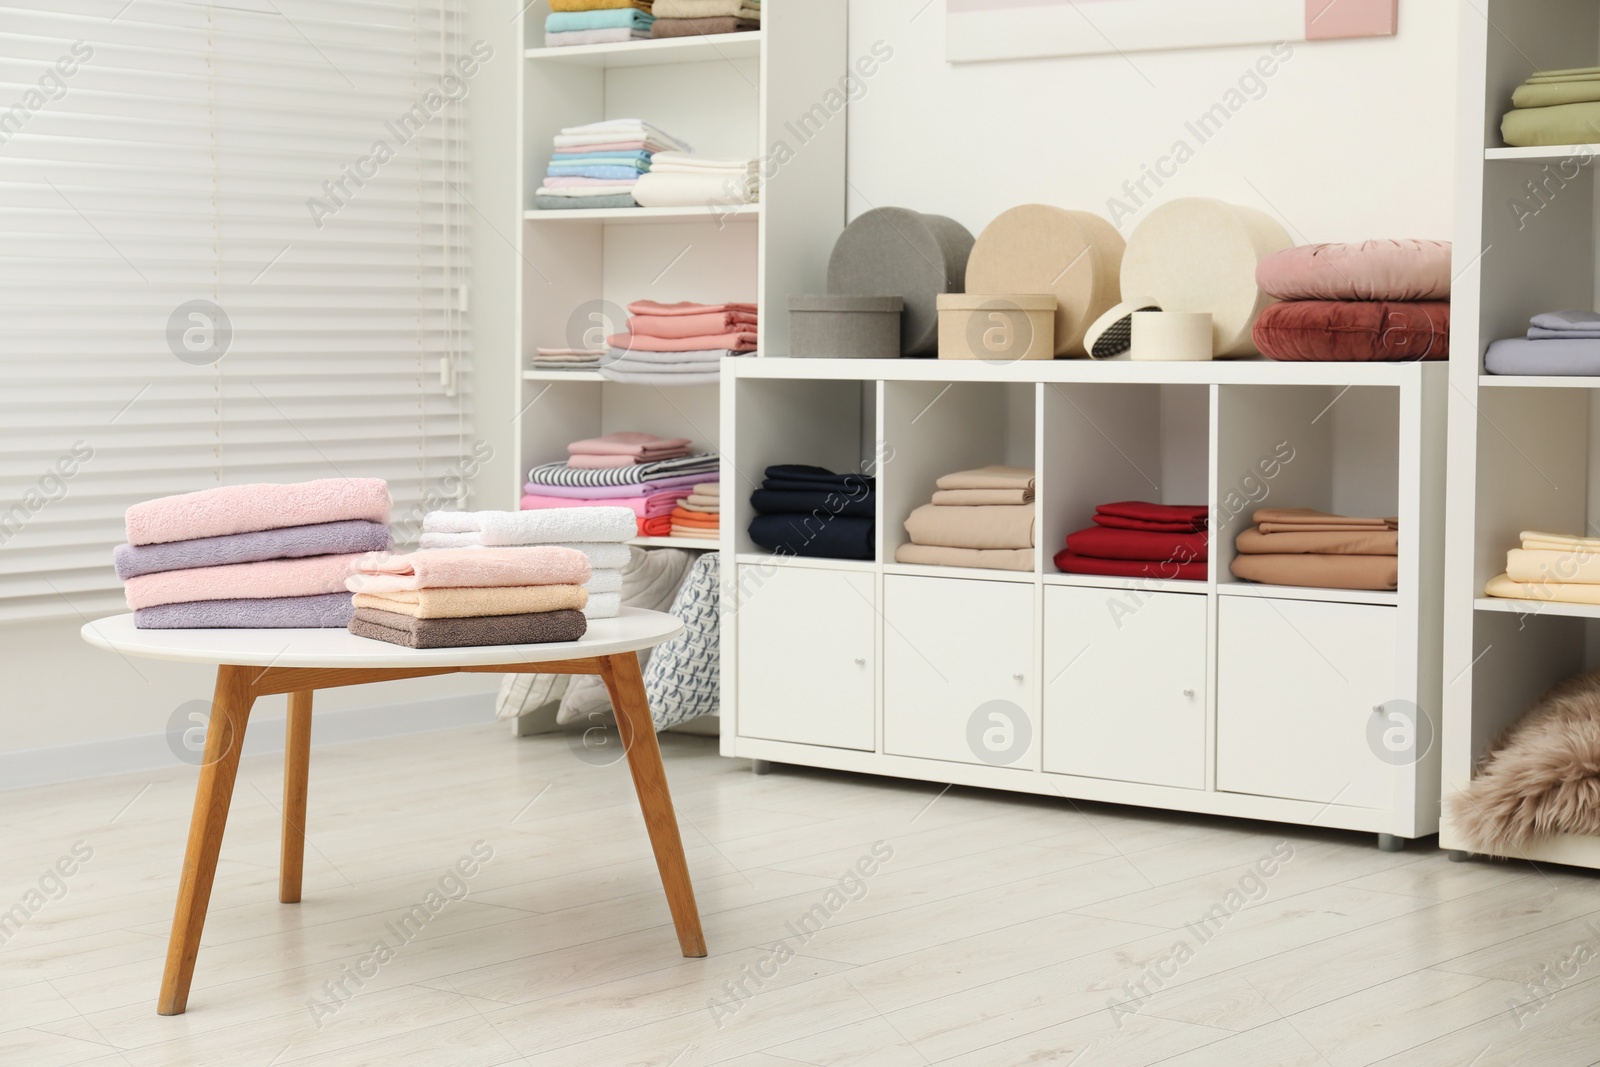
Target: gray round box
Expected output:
[844,327]
[916,256]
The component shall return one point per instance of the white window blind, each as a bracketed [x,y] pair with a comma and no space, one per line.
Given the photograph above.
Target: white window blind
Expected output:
[298,164]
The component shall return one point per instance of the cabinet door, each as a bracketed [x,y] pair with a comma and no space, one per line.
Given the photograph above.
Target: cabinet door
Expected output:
[1298,686]
[806,662]
[1125,691]
[958,670]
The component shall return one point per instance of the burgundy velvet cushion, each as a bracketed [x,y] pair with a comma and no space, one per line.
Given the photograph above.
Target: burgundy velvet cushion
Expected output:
[1347,331]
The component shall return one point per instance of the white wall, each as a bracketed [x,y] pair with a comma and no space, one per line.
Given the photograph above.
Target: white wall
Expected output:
[1351,139]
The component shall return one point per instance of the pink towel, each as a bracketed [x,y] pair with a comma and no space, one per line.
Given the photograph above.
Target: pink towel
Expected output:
[710,324]
[650,307]
[469,568]
[646,507]
[738,341]
[626,443]
[598,463]
[248,508]
[269,579]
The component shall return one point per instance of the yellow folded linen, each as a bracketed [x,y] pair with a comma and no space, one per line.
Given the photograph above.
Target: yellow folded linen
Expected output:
[1567,593]
[1534,541]
[470,602]
[1580,566]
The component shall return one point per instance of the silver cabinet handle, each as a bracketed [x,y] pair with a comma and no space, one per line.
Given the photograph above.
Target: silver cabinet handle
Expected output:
[861,661]
[1189,693]
[1019,677]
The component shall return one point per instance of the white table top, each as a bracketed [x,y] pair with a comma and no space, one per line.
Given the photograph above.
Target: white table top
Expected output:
[634,629]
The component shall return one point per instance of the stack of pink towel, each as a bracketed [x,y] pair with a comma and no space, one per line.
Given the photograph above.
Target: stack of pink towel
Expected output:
[261,556]
[640,471]
[679,344]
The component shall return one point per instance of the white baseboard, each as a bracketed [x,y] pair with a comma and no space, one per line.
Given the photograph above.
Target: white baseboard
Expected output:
[145,752]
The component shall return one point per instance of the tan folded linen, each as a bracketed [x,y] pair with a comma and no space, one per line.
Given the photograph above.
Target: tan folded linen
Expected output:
[690,504]
[1366,542]
[699,533]
[1304,516]
[464,603]
[1534,541]
[1320,572]
[712,489]
[1501,585]
[995,559]
[973,527]
[1581,567]
[990,477]
[967,498]
[1313,527]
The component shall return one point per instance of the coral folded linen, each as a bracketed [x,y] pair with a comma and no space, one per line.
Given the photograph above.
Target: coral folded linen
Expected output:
[290,542]
[464,567]
[643,506]
[1320,571]
[685,307]
[273,578]
[1559,593]
[994,559]
[1371,542]
[502,528]
[972,527]
[601,555]
[324,612]
[236,509]
[656,526]
[732,342]
[1155,570]
[703,325]
[968,498]
[993,476]
[528,629]
[1100,542]
[690,518]
[463,603]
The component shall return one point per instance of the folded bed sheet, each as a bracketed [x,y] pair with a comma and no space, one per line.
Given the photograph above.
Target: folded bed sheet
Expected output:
[1320,571]
[826,501]
[993,476]
[838,537]
[1162,571]
[996,559]
[1577,357]
[1100,542]
[1553,592]
[1332,543]
[972,527]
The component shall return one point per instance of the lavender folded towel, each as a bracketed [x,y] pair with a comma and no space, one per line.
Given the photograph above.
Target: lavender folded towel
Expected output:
[531,629]
[289,542]
[328,611]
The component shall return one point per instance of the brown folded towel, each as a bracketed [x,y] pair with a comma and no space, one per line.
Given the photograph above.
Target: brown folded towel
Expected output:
[536,628]
[968,498]
[465,603]
[1300,517]
[701,27]
[972,527]
[990,477]
[1369,541]
[1320,572]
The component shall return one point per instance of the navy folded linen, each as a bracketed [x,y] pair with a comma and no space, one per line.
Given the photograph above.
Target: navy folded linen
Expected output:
[326,611]
[814,477]
[805,502]
[838,537]
[290,542]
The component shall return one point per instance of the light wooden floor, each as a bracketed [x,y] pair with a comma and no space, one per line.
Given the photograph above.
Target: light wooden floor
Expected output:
[996,933]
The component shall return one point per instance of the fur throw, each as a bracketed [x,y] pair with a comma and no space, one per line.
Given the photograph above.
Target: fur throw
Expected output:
[1542,777]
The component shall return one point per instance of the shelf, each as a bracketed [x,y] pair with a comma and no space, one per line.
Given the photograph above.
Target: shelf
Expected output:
[978,574]
[767,559]
[1142,585]
[1537,381]
[562,376]
[652,53]
[1387,598]
[695,543]
[1560,151]
[639,216]
[1223,372]
[1537,607]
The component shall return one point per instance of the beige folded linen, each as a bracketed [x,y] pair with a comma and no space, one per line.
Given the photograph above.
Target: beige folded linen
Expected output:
[706,9]
[1553,568]
[993,476]
[996,559]
[708,489]
[1315,527]
[1320,571]
[690,504]
[465,603]
[1501,585]
[967,498]
[1313,517]
[1006,526]
[1364,542]
[1534,541]
[698,533]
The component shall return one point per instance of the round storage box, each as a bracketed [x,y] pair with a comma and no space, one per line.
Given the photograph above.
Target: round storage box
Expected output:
[844,327]
[1171,337]
[1074,256]
[998,329]
[904,252]
[1201,255]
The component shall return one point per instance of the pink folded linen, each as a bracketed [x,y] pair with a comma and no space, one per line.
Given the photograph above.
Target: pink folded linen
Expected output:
[615,495]
[469,568]
[235,509]
[610,146]
[600,463]
[646,507]
[708,325]
[575,183]
[268,579]
[626,443]
[738,341]
[650,307]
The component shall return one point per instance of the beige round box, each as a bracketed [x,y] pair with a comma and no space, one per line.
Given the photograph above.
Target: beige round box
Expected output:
[998,329]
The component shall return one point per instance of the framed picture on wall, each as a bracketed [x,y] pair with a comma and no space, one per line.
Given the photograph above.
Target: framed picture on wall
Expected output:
[981,30]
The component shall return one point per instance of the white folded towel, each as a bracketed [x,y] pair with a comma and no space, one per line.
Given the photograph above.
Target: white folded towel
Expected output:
[709,189]
[603,606]
[617,130]
[579,191]
[500,528]
[604,581]
[686,162]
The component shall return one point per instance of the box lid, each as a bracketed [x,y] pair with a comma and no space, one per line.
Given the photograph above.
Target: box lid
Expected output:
[996,302]
[840,302]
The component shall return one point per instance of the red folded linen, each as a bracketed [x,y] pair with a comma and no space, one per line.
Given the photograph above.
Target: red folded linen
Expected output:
[1192,514]
[656,526]
[1068,563]
[650,307]
[709,324]
[1117,522]
[738,341]
[1100,542]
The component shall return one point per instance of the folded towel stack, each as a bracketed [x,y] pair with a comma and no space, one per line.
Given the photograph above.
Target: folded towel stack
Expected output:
[566,359]
[453,598]
[1135,539]
[699,514]
[699,18]
[680,344]
[597,533]
[1555,107]
[647,474]
[810,511]
[1551,567]
[251,556]
[677,179]
[1563,343]
[598,165]
[1299,546]
[978,518]
[573,22]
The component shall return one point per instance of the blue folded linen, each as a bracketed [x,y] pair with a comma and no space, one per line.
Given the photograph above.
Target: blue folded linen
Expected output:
[328,611]
[614,18]
[598,171]
[1522,355]
[290,542]
[586,159]
[1567,320]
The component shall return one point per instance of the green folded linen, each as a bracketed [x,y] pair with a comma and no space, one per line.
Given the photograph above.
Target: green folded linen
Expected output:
[1559,125]
[533,629]
[568,203]
[1553,94]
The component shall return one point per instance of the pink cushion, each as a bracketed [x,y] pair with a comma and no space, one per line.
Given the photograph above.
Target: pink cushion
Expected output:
[1372,270]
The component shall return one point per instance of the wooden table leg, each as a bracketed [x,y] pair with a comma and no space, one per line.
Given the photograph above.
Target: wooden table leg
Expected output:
[296,774]
[638,735]
[230,711]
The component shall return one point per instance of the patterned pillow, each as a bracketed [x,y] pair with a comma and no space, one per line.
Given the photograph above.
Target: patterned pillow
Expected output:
[683,676]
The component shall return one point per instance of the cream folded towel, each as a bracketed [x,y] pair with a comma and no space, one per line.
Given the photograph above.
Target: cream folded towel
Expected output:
[548,526]
[602,555]
[465,603]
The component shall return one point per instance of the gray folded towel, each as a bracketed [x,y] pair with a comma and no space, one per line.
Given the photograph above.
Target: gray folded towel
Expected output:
[290,542]
[534,628]
[330,611]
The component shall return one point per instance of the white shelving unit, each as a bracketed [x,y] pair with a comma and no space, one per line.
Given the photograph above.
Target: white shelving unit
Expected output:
[1523,449]
[1213,696]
